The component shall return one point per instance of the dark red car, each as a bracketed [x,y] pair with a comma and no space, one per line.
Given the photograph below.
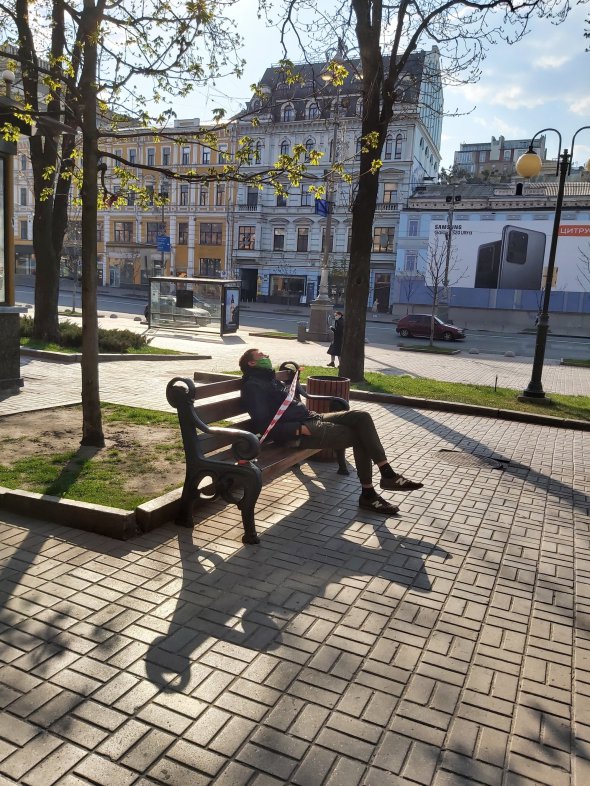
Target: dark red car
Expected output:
[419,325]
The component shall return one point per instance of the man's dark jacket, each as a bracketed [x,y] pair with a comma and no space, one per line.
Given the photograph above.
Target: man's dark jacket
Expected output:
[262,395]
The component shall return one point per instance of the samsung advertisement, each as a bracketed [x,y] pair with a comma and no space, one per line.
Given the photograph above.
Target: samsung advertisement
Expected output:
[514,256]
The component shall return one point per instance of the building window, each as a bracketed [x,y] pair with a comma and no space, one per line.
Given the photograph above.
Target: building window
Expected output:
[284,149]
[252,198]
[313,112]
[246,238]
[183,233]
[413,227]
[24,230]
[151,156]
[507,155]
[186,156]
[222,157]
[220,194]
[288,113]
[302,238]
[123,231]
[387,150]
[278,240]
[184,194]
[258,153]
[150,194]
[398,148]
[324,241]
[210,234]
[165,156]
[305,197]
[411,262]
[348,241]
[383,239]
[390,194]
[152,233]
[359,144]
[99,232]
[206,156]
[133,157]
[23,196]
[308,148]
[281,200]
[203,196]
[23,163]
[210,268]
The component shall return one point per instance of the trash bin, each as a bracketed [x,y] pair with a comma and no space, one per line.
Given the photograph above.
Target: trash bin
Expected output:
[326,386]
[302,332]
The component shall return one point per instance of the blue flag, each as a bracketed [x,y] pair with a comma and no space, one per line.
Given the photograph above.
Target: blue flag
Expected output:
[322,207]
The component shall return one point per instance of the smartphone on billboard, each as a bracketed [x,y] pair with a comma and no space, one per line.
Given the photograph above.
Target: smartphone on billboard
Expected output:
[488,265]
[521,260]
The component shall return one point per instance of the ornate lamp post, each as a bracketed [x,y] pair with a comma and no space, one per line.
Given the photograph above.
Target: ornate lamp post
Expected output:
[529,165]
[321,307]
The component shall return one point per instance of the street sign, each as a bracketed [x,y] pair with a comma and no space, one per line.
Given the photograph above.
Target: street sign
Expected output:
[163,242]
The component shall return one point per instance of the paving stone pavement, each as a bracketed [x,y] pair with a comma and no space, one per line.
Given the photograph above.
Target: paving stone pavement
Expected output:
[447,645]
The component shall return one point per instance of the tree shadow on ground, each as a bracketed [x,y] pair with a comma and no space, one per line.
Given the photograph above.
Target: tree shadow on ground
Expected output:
[510,467]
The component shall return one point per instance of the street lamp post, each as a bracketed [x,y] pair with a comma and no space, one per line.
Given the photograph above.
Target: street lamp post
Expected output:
[529,165]
[321,307]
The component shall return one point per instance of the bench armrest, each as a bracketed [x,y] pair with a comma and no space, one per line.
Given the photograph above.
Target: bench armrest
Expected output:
[180,393]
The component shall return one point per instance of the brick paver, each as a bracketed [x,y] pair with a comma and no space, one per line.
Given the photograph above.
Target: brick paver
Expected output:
[445,646]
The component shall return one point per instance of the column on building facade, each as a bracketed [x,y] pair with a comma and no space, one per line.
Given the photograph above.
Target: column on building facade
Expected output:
[190,265]
[173,240]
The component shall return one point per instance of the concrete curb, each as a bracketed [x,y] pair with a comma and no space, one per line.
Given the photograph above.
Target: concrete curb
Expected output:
[113,522]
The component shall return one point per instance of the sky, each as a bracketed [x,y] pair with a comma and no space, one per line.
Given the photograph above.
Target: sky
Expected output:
[542,81]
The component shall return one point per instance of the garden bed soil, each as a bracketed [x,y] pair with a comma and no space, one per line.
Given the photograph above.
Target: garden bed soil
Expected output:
[58,431]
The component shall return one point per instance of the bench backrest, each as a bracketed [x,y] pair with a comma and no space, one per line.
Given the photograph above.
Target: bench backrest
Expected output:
[221,400]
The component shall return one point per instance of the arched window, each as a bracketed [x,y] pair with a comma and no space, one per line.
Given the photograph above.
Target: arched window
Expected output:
[309,146]
[288,113]
[388,148]
[359,144]
[398,147]
[313,112]
[359,107]
[258,153]
[284,149]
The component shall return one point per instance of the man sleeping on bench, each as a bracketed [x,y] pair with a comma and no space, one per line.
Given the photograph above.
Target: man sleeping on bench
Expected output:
[264,397]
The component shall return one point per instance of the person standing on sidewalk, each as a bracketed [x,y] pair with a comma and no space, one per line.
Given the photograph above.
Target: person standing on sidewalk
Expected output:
[335,348]
[263,394]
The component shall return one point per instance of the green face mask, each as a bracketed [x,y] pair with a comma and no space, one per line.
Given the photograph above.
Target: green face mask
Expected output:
[264,363]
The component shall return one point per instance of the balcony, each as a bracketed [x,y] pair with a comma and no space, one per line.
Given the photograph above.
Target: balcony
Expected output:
[246,208]
[390,207]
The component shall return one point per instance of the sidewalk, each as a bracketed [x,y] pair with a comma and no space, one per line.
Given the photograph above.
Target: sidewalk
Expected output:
[447,645]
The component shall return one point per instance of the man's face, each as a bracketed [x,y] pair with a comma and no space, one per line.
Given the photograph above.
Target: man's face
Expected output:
[255,356]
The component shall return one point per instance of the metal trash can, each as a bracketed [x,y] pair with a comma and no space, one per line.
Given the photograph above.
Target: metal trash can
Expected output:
[326,386]
[302,332]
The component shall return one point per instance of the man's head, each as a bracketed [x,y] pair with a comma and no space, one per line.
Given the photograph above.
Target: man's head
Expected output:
[254,358]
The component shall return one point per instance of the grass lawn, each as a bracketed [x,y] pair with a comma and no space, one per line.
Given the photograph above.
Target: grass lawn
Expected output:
[570,407]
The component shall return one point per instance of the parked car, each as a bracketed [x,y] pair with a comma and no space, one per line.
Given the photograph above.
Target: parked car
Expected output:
[419,325]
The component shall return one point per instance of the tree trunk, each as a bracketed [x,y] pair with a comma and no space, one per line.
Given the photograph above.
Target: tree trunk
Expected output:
[352,362]
[45,323]
[92,433]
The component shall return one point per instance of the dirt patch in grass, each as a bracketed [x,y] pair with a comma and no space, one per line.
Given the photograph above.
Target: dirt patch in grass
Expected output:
[40,451]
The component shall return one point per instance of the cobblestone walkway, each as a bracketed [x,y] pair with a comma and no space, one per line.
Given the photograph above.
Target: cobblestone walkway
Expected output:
[448,645]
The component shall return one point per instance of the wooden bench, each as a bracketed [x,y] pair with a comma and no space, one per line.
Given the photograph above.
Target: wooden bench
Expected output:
[229,461]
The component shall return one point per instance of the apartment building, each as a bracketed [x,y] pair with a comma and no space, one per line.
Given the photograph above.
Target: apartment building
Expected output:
[279,241]
[496,158]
